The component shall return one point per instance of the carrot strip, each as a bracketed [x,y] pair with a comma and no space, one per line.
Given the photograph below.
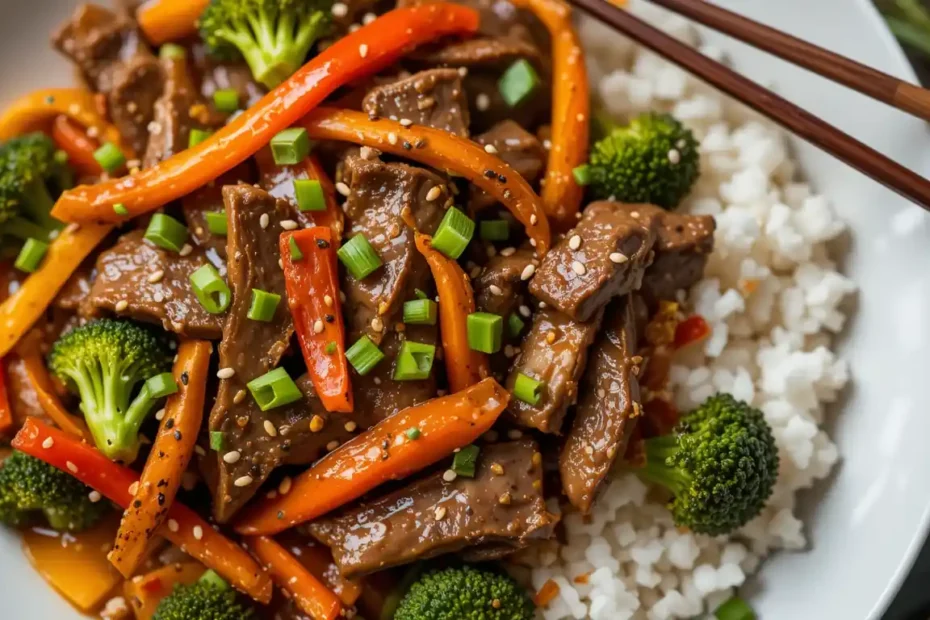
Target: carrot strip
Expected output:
[168,459]
[21,309]
[37,109]
[6,411]
[464,366]
[289,574]
[312,284]
[443,151]
[41,382]
[384,452]
[73,140]
[169,20]
[185,528]
[384,40]
[278,180]
[571,110]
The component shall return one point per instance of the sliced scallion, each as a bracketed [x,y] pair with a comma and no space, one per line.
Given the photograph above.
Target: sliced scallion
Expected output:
[110,157]
[217,440]
[309,194]
[31,255]
[212,293]
[120,209]
[420,312]
[527,389]
[264,305]
[414,361]
[412,433]
[217,223]
[274,389]
[290,146]
[515,325]
[330,348]
[494,230]
[420,294]
[582,174]
[166,232]
[226,100]
[172,51]
[296,254]
[485,331]
[364,355]
[359,257]
[161,385]
[197,136]
[465,461]
[518,82]
[735,608]
[454,233]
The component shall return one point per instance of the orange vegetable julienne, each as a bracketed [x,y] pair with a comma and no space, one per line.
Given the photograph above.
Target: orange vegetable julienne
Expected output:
[185,528]
[145,592]
[443,151]
[571,103]
[42,384]
[6,411]
[168,460]
[38,109]
[162,21]
[73,140]
[464,366]
[364,52]
[20,310]
[310,595]
[380,454]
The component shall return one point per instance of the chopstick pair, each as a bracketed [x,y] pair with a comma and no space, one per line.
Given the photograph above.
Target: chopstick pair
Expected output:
[875,84]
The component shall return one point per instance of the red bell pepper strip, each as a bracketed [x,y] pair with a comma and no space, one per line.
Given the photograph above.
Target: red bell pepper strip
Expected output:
[366,51]
[6,412]
[72,138]
[312,284]
[183,527]
[692,330]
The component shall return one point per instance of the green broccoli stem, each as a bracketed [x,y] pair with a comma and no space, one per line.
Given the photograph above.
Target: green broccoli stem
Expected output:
[23,229]
[137,413]
[657,469]
[59,519]
[38,206]
[277,51]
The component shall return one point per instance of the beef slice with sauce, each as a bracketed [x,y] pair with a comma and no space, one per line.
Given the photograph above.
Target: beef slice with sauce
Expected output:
[607,407]
[500,287]
[216,74]
[250,349]
[138,279]
[515,146]
[603,257]
[434,98]
[499,511]
[115,61]
[554,351]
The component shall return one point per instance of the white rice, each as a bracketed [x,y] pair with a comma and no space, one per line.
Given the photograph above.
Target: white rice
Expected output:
[772,295]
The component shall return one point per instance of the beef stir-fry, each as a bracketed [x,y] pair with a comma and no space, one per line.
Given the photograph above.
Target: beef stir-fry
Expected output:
[331,301]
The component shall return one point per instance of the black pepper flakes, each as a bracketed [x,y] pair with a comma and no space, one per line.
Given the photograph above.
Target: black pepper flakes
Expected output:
[490,173]
[177,435]
[421,143]
[407,146]
[329,318]
[323,244]
[169,424]
[185,377]
[137,504]
[501,178]
[161,499]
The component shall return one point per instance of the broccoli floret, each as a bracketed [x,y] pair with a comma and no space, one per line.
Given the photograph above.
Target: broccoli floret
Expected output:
[103,361]
[32,171]
[29,486]
[274,36]
[465,593]
[720,462]
[210,598]
[653,160]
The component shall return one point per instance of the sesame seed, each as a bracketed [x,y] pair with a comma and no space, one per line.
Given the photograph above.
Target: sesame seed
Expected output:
[317,423]
[578,268]
[533,242]
[328,300]
[508,251]
[365,152]
[243,481]
[288,224]
[239,397]
[48,443]
[173,525]
[580,117]
[490,148]
[482,102]
[514,434]
[449,475]
[463,71]
[263,220]
[542,305]
[525,311]
[575,242]
[528,272]
[225,373]
[434,193]
[156,276]
[198,532]
[232,457]
[550,337]
[440,513]
[368,18]
[495,290]
[186,249]
[94,497]
[406,122]
[509,351]
[340,10]
[533,219]
[132,487]
[343,189]
[160,415]
[332,445]
[497,469]
[504,499]
[674,156]
[377,325]
[350,427]
[200,451]
[71,467]
[318,326]
[617,257]
[392,138]
[589,449]
[121,305]
[537,458]
[270,429]
[363,50]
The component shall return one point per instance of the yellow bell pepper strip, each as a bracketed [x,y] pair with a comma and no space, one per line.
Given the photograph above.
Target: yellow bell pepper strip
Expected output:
[24,307]
[184,527]
[571,109]
[366,51]
[168,459]
[443,151]
[384,452]
[162,21]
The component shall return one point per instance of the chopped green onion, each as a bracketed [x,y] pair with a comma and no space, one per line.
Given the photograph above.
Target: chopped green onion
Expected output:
[518,82]
[515,325]
[364,355]
[465,461]
[166,232]
[161,385]
[290,146]
[420,312]
[110,157]
[582,174]
[296,254]
[197,136]
[264,305]
[274,389]
[485,331]
[330,348]
[735,608]
[217,223]
[494,230]
[212,293]
[420,294]
[31,255]
[359,257]
[454,232]
[527,389]
[172,51]
[120,209]
[309,193]
[414,361]
[226,100]
[412,433]
[217,440]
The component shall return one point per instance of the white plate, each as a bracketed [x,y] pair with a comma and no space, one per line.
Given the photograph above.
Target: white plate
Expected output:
[868,522]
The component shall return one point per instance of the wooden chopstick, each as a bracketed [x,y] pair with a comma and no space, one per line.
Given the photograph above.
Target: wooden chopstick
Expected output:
[862,78]
[793,118]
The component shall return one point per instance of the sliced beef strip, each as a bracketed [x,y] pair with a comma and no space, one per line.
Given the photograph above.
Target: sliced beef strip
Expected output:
[615,249]
[434,98]
[488,107]
[250,348]
[500,287]
[517,147]
[125,273]
[607,408]
[482,53]
[485,517]
[209,199]
[112,57]
[77,289]
[554,351]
